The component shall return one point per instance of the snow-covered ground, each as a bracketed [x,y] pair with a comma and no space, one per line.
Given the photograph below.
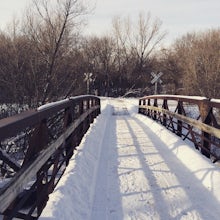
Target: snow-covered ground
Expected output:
[129,167]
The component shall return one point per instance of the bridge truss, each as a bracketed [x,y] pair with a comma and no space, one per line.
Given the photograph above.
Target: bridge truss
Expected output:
[35,149]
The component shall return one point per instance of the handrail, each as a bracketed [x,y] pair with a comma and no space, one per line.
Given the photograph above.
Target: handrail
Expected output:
[47,137]
[190,117]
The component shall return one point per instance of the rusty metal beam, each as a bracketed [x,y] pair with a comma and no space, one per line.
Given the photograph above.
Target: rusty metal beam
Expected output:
[208,127]
[27,173]
[202,126]
[10,162]
[73,117]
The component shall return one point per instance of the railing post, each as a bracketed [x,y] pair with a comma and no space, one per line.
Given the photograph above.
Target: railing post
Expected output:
[139,109]
[92,115]
[165,106]
[155,112]
[205,112]
[143,111]
[81,126]
[179,122]
[98,102]
[68,119]
[37,141]
[42,189]
[148,110]
[76,114]
[87,122]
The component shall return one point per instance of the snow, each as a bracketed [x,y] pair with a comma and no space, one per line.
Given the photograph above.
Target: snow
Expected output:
[180,96]
[129,167]
[51,104]
[215,100]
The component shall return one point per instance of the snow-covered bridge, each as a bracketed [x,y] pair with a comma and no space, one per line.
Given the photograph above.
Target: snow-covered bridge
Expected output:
[128,166]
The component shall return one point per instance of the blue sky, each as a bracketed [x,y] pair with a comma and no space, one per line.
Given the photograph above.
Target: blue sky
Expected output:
[178,17]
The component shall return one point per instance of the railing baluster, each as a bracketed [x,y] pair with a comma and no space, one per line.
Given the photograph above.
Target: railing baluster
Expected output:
[53,132]
[207,130]
[179,122]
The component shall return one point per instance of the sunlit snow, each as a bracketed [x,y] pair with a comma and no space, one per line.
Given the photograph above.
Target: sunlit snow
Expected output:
[129,167]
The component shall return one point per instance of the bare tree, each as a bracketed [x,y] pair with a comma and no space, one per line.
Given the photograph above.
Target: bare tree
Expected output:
[147,37]
[13,64]
[51,27]
[199,58]
[135,45]
[99,58]
[123,59]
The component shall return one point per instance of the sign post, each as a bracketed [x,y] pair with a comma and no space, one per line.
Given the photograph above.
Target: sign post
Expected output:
[155,80]
[88,79]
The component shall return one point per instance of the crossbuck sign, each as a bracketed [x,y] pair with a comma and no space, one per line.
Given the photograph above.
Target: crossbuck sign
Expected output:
[155,80]
[88,79]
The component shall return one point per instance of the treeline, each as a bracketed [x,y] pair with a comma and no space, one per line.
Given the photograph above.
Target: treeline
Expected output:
[45,57]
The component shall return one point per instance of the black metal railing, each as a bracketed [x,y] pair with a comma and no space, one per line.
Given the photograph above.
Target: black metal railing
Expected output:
[35,148]
[194,118]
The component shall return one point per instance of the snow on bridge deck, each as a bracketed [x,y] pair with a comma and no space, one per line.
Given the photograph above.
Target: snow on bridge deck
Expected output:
[129,167]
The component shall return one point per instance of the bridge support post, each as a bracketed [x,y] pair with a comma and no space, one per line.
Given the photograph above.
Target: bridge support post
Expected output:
[37,141]
[205,112]
[179,122]
[68,119]
[148,110]
[144,111]
[155,112]
[139,109]
[165,106]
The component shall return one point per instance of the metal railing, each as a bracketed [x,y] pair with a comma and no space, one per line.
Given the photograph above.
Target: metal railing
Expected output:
[35,148]
[192,118]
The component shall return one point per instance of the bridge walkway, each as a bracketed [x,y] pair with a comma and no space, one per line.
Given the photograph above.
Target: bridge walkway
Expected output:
[142,171]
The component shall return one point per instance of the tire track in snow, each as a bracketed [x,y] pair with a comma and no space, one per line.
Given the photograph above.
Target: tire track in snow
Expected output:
[106,201]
